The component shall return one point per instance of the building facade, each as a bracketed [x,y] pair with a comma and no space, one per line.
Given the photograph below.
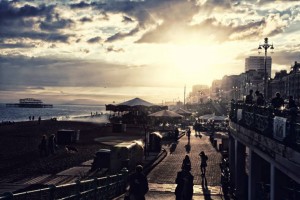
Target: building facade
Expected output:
[258,63]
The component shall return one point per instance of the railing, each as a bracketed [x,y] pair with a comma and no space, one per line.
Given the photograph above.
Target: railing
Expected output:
[261,120]
[96,189]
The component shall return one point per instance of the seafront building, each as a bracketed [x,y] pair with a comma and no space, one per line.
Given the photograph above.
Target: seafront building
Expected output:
[264,154]
[258,63]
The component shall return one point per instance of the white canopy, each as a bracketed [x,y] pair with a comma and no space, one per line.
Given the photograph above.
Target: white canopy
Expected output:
[218,118]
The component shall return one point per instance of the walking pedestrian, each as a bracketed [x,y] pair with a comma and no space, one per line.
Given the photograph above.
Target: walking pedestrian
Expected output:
[203,163]
[39,120]
[138,184]
[184,180]
[186,161]
[188,134]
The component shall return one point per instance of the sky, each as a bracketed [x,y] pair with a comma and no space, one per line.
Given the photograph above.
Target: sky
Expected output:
[100,52]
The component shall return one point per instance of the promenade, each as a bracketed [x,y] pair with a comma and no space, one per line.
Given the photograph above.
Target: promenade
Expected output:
[162,178]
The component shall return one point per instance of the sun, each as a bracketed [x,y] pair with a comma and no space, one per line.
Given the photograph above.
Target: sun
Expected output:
[194,62]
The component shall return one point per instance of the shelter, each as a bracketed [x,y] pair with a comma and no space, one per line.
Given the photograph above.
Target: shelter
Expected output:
[135,104]
[218,118]
[206,117]
[183,112]
[165,114]
[134,111]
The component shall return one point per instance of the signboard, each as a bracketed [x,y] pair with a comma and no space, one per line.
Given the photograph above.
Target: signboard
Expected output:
[239,114]
[279,128]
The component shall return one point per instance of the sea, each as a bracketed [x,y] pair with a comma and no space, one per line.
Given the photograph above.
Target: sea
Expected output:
[90,113]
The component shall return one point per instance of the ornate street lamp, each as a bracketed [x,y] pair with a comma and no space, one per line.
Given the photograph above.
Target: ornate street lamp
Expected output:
[265,46]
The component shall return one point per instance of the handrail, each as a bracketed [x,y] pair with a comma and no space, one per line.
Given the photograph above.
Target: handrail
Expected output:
[261,120]
[113,186]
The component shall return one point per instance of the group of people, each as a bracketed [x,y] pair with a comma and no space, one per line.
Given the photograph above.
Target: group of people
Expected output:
[31,118]
[184,179]
[276,102]
[138,184]
[47,146]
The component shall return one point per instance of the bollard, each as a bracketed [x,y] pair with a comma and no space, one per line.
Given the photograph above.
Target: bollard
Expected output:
[124,172]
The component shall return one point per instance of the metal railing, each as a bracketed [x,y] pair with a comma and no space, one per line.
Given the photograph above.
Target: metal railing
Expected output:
[95,189]
[261,120]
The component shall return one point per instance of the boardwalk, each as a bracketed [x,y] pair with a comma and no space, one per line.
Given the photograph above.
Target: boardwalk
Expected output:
[162,177]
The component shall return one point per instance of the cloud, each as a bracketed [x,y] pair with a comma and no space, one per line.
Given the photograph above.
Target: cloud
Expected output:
[112,49]
[120,36]
[86,19]
[94,40]
[127,19]
[15,45]
[52,23]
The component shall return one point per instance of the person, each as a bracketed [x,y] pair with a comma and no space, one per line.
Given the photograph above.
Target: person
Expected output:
[43,146]
[277,101]
[52,144]
[184,180]
[203,163]
[260,101]
[40,119]
[188,133]
[138,184]
[176,134]
[291,104]
[186,161]
[249,98]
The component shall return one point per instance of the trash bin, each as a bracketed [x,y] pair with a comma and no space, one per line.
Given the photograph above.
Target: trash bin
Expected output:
[155,142]
[65,136]
[101,159]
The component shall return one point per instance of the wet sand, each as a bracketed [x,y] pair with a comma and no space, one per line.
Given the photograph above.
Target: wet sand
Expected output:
[19,142]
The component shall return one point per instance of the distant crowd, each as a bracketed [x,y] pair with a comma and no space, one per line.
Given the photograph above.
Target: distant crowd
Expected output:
[277,102]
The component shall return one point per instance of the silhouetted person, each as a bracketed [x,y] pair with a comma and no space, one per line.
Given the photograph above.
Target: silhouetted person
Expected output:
[52,144]
[277,101]
[43,146]
[176,134]
[138,184]
[40,119]
[291,104]
[203,163]
[260,101]
[29,118]
[32,118]
[188,133]
[249,98]
[184,180]
[186,161]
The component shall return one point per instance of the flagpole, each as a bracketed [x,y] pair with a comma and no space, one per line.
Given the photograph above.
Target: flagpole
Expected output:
[184,98]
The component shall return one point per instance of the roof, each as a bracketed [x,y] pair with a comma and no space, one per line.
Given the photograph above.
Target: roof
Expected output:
[137,102]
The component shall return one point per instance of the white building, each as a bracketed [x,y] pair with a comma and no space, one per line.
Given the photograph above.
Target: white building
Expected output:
[258,63]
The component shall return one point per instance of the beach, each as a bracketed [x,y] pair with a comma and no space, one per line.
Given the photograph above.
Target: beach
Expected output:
[19,153]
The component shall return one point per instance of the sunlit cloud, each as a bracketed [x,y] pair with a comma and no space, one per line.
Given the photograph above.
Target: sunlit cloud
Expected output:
[49,45]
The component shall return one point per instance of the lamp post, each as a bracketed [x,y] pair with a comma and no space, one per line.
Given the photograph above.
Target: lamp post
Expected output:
[265,46]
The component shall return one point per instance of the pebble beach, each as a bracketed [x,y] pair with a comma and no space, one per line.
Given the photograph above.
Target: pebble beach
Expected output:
[19,153]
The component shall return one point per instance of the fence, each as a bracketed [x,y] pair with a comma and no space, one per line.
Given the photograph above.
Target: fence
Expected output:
[261,120]
[94,189]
